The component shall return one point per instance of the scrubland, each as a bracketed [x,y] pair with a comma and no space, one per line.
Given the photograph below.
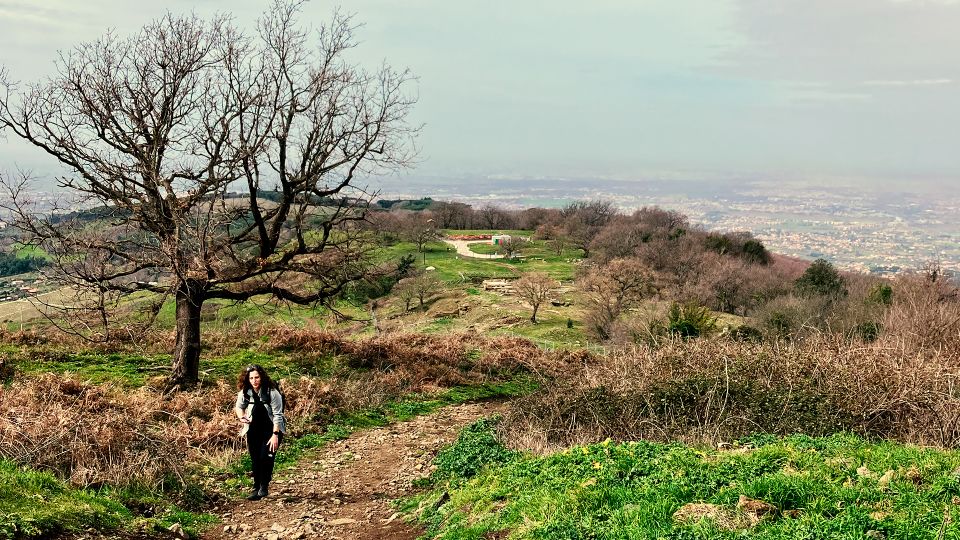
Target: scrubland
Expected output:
[677,408]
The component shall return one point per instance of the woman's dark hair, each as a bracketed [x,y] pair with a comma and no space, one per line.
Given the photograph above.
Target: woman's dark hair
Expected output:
[243,383]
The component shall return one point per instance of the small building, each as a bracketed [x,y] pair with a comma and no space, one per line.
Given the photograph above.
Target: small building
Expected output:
[499,239]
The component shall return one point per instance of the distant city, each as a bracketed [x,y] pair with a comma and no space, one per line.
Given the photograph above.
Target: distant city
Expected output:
[881,231]
[868,230]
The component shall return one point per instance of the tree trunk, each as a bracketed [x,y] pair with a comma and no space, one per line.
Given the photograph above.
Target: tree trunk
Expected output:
[533,318]
[186,353]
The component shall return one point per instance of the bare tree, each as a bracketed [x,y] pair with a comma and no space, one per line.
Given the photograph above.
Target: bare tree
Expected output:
[405,291]
[492,217]
[583,220]
[612,288]
[158,128]
[452,215]
[535,288]
[424,285]
[533,218]
[512,246]
[419,228]
[554,236]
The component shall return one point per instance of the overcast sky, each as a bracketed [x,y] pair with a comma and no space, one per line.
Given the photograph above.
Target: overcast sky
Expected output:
[625,88]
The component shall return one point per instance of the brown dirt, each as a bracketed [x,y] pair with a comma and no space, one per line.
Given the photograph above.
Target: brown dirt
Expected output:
[345,490]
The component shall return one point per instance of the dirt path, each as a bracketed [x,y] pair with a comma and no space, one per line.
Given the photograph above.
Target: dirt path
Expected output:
[463,249]
[344,490]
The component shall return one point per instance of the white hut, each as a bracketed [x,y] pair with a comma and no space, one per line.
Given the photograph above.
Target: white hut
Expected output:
[498,239]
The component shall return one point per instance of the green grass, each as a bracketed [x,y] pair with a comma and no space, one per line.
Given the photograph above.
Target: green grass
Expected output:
[133,370]
[26,251]
[36,504]
[483,248]
[833,487]
[224,313]
[128,370]
[550,332]
[536,257]
[399,411]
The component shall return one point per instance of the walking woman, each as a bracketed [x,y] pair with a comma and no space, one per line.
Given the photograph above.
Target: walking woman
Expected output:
[260,409]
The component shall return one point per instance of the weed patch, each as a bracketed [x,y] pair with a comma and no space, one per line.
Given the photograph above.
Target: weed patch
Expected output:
[781,488]
[36,504]
[713,391]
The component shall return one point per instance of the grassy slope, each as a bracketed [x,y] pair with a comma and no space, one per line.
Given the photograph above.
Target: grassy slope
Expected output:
[32,503]
[835,487]
[35,504]
[50,506]
[599,491]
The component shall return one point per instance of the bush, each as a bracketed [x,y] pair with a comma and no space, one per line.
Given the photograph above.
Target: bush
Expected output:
[867,331]
[719,390]
[690,320]
[821,278]
[746,333]
[924,316]
[476,447]
[881,293]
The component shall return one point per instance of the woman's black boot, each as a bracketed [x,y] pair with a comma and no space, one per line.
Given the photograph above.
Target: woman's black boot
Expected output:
[256,496]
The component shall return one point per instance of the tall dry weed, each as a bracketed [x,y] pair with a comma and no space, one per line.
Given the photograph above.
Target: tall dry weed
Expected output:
[718,390]
[95,434]
[100,434]
[925,316]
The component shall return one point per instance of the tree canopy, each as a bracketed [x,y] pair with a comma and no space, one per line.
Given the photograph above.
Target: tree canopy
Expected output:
[160,126]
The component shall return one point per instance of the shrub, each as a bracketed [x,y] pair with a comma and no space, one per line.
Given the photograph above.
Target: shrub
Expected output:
[881,293]
[746,333]
[821,278]
[476,447]
[867,331]
[924,316]
[755,252]
[719,390]
[690,320]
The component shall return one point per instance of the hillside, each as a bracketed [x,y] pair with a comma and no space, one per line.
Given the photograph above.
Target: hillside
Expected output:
[712,353]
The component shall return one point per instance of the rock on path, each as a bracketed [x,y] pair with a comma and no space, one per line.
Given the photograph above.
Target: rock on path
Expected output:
[344,490]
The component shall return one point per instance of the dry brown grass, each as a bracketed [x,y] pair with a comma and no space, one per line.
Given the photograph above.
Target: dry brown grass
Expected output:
[925,315]
[418,359]
[95,434]
[718,390]
[101,434]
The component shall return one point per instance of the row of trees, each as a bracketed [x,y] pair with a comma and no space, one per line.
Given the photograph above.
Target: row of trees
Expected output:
[11,265]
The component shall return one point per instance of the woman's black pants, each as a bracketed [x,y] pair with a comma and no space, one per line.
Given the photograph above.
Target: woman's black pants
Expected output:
[261,456]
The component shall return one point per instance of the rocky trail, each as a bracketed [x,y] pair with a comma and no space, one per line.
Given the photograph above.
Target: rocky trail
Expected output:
[345,489]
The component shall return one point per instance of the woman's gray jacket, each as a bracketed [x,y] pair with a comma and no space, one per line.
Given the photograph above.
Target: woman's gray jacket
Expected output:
[245,402]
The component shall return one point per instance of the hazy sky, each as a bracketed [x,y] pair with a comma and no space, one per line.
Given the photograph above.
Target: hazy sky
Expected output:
[628,88]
